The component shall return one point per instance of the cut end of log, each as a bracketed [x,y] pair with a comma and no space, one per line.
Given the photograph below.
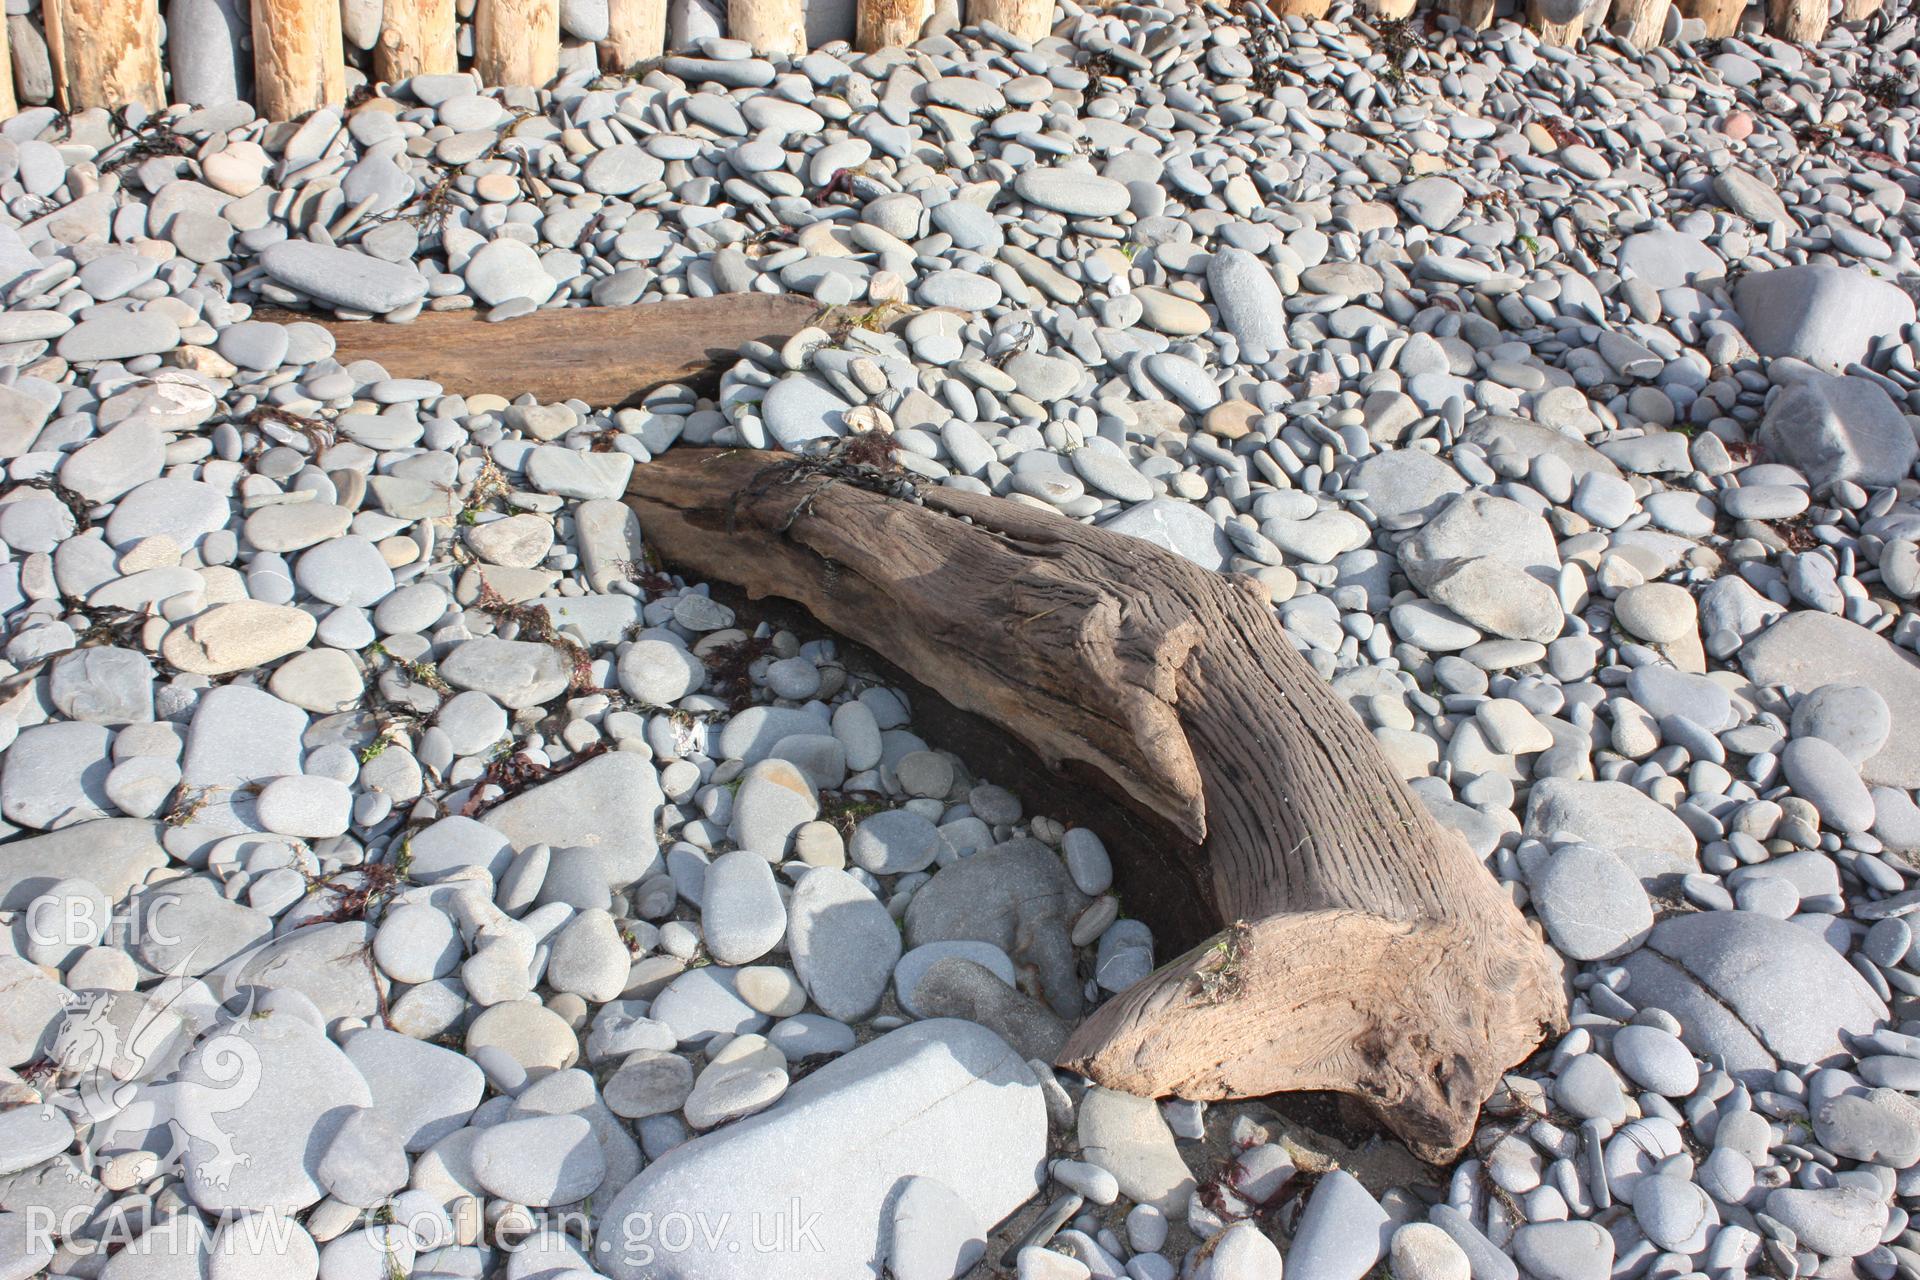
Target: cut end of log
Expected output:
[1417,1022]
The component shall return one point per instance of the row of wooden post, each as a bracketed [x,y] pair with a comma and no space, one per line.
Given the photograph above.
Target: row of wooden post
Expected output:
[106,53]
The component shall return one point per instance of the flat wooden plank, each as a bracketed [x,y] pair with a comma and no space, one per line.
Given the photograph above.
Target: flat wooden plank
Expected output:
[602,355]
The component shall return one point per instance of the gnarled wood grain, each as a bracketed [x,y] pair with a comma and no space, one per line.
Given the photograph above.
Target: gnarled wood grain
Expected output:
[1363,948]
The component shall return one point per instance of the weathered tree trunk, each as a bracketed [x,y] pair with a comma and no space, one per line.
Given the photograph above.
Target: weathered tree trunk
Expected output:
[299,64]
[1309,9]
[888,24]
[105,53]
[417,38]
[9,102]
[1641,22]
[636,33]
[770,26]
[1721,17]
[1029,19]
[516,41]
[1475,15]
[1388,10]
[1859,10]
[1797,21]
[1363,950]
[1549,31]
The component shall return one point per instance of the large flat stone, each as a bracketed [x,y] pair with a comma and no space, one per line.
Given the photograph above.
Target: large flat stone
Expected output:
[609,803]
[1758,986]
[1806,649]
[1824,315]
[114,854]
[1626,822]
[1840,429]
[1179,527]
[816,1176]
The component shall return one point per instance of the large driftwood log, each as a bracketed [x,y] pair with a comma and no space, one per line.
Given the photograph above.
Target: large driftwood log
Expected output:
[1362,950]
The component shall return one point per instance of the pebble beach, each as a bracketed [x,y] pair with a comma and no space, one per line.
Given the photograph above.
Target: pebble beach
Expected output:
[405,873]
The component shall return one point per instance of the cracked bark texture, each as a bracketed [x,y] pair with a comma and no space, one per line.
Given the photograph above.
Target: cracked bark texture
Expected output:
[1363,948]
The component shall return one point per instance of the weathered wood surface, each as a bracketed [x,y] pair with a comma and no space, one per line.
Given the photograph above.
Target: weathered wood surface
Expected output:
[1028,19]
[1550,31]
[770,26]
[1722,17]
[105,53]
[636,33]
[9,104]
[1797,21]
[1641,22]
[1363,949]
[417,38]
[516,41]
[887,24]
[602,355]
[299,57]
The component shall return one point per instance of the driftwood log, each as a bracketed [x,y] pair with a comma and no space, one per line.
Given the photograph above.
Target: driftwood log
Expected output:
[602,355]
[1362,949]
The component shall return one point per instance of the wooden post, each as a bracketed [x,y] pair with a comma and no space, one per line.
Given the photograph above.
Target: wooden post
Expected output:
[1641,22]
[1859,10]
[516,41]
[1474,15]
[299,64]
[1721,17]
[888,24]
[416,39]
[105,53]
[9,102]
[1551,32]
[1029,19]
[636,33]
[1797,21]
[772,26]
